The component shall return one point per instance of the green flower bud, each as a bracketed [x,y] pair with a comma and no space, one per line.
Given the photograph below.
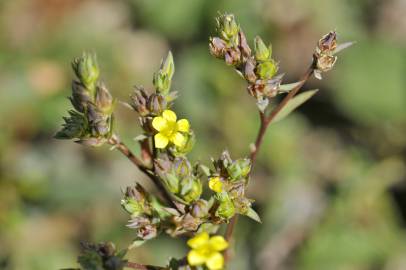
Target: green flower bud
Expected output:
[156,104]
[163,77]
[228,27]
[187,147]
[131,206]
[135,201]
[181,167]
[266,70]
[168,66]
[226,207]
[262,53]
[162,82]
[172,183]
[86,69]
[191,189]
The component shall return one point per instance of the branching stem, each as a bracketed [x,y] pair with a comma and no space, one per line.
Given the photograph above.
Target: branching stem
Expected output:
[265,120]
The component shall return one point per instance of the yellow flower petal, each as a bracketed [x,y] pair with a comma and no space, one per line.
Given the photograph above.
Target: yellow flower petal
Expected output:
[218,243]
[159,123]
[215,184]
[169,115]
[178,139]
[195,258]
[183,125]
[215,261]
[199,240]
[160,141]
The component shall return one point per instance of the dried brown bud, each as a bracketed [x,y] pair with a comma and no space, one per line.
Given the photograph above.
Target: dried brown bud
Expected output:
[80,96]
[156,104]
[325,62]
[232,57]
[243,45]
[249,70]
[328,43]
[217,47]
[139,100]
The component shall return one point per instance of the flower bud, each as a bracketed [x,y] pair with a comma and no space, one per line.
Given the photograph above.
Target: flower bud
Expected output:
[325,62]
[217,47]
[328,43]
[182,167]
[99,123]
[80,96]
[199,208]
[191,189]
[249,70]
[86,69]
[139,100]
[227,26]
[239,168]
[226,207]
[156,104]
[104,100]
[162,82]
[243,45]
[168,66]
[163,77]
[131,206]
[266,70]
[262,53]
[232,57]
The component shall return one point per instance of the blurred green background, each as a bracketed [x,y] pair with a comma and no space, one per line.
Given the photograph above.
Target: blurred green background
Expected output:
[330,181]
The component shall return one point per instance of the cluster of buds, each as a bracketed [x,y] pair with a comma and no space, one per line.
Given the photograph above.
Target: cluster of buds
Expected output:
[232,44]
[324,56]
[155,115]
[144,218]
[257,68]
[228,180]
[179,178]
[102,256]
[91,122]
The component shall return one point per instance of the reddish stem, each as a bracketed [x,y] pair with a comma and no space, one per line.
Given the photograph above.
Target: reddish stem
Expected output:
[264,123]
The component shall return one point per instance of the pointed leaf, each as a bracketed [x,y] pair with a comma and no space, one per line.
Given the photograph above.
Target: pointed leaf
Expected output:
[343,46]
[288,87]
[253,215]
[293,104]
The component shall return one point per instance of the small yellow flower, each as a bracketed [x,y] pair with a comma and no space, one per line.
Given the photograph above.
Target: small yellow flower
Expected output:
[170,130]
[215,184]
[206,250]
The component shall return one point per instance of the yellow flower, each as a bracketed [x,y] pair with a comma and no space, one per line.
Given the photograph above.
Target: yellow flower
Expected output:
[170,130]
[206,250]
[215,184]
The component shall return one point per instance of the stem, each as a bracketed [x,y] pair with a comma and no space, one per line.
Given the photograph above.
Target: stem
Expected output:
[138,266]
[115,141]
[264,123]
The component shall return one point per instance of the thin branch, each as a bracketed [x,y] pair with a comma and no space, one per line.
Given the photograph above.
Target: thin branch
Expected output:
[115,141]
[138,266]
[264,123]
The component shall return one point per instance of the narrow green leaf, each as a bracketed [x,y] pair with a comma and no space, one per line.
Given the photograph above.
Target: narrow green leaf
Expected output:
[253,215]
[293,104]
[288,87]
